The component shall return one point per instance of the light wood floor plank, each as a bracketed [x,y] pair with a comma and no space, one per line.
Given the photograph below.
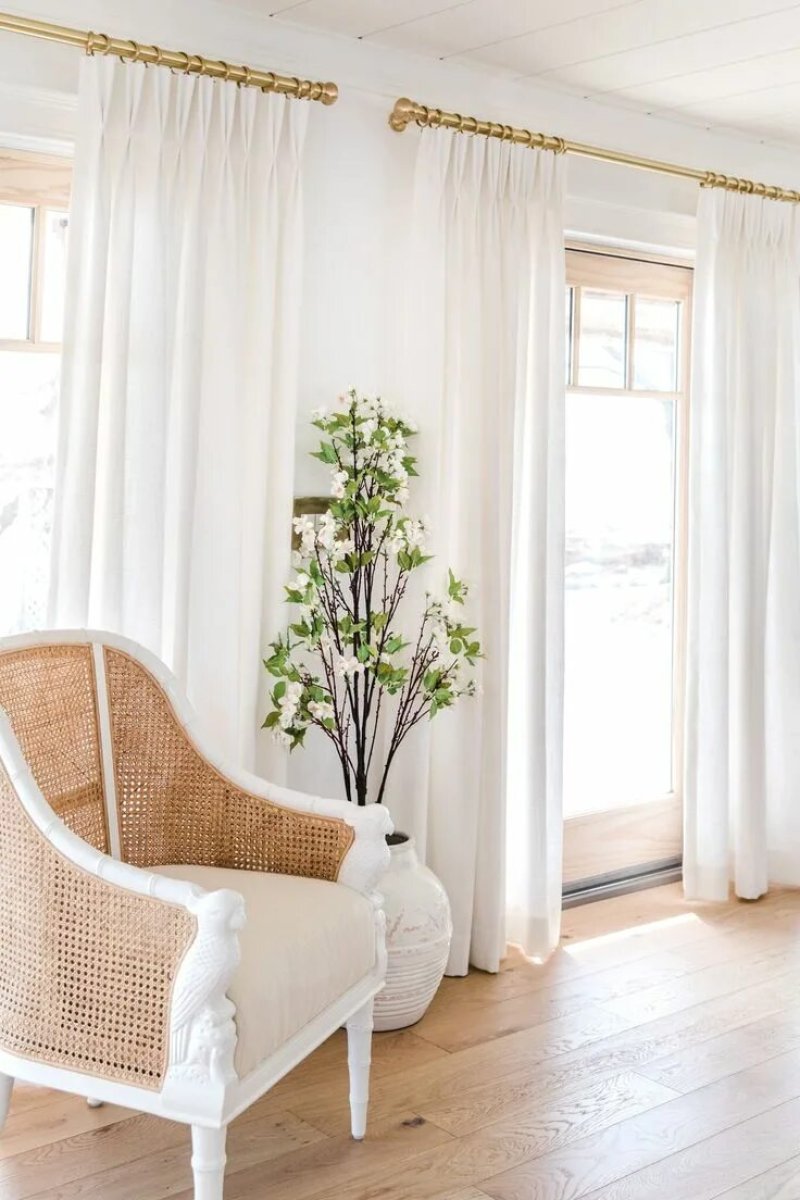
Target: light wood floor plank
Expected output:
[735,1155]
[595,1163]
[467,1160]
[725,1055]
[450,1076]
[503,1084]
[781,1183]
[59,1169]
[336,1162]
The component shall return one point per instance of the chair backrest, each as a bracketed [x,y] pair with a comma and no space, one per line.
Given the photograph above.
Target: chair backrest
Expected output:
[49,693]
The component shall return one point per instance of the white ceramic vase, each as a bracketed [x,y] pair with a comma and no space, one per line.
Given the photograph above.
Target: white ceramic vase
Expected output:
[418,933]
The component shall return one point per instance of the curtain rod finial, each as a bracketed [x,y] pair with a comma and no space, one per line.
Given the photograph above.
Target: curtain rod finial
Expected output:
[402,114]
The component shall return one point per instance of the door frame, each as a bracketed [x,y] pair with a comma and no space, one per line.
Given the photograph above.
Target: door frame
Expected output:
[638,839]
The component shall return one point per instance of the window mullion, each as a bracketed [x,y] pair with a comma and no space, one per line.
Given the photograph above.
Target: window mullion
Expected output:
[37,270]
[630,331]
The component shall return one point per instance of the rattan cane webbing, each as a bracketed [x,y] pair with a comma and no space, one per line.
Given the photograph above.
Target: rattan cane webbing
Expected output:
[49,695]
[86,967]
[174,807]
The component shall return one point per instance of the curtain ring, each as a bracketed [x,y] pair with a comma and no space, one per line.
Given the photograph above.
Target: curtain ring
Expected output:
[248,78]
[97,43]
[182,70]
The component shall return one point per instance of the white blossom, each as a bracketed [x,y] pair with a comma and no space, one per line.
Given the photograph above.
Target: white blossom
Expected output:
[415,534]
[338,484]
[326,533]
[322,710]
[301,583]
[281,736]
[348,667]
[304,527]
[397,542]
[319,414]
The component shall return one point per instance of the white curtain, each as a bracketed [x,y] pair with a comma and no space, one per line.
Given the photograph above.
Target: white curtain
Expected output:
[742,782]
[481,788]
[176,445]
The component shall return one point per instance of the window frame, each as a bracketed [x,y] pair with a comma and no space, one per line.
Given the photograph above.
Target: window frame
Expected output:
[603,843]
[41,182]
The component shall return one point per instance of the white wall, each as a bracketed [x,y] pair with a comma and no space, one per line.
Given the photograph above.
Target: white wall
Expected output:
[359,172]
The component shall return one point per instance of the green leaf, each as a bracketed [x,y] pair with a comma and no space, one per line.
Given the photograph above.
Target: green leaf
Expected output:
[279,691]
[326,453]
[456,646]
[271,721]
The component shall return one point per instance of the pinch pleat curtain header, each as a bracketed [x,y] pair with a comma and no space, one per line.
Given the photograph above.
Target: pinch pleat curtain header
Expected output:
[175,463]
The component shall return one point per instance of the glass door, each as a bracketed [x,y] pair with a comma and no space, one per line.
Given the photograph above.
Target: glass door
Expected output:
[627,371]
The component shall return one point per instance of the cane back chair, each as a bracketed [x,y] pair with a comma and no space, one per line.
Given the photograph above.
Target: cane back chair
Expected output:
[175,934]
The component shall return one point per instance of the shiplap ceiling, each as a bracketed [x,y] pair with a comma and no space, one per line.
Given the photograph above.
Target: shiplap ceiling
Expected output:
[731,64]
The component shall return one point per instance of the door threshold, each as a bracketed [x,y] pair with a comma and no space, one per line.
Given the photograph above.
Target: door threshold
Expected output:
[620,883]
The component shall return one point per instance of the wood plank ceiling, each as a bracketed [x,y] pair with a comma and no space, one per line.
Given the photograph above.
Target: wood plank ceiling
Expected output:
[724,64]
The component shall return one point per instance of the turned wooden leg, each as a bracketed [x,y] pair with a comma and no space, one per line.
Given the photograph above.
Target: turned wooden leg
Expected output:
[208,1162]
[359,1057]
[6,1087]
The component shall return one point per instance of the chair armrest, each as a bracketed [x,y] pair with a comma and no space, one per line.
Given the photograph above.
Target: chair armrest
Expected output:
[365,854]
[105,969]
[178,802]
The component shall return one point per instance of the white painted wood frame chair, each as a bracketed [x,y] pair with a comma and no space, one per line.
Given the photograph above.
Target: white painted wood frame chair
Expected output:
[133,865]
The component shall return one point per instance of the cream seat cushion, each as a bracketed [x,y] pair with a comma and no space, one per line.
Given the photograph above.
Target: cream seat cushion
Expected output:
[306,942]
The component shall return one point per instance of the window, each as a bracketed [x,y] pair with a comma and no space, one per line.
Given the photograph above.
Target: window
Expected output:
[627,324]
[34,195]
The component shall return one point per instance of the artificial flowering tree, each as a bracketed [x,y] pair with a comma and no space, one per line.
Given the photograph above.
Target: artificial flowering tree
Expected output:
[346,665]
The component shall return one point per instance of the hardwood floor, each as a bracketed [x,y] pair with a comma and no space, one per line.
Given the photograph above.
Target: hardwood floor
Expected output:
[655,1057]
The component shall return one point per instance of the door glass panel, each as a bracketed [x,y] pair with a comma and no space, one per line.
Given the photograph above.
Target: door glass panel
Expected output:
[655,346]
[620,455]
[56,229]
[16,244]
[601,349]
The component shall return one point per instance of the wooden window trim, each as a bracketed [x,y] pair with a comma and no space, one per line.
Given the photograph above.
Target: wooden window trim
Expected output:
[41,182]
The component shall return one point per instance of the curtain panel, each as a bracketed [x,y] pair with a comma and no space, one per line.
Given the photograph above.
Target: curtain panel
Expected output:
[176,446]
[742,773]
[484,375]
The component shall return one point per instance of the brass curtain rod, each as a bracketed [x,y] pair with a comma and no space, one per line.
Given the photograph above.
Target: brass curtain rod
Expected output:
[176,60]
[407,112]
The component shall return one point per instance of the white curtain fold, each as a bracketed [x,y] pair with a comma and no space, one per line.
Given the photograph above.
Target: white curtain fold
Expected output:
[175,463]
[742,773]
[484,374]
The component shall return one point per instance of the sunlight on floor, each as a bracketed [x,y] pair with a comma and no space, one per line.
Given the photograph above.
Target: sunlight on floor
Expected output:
[576,948]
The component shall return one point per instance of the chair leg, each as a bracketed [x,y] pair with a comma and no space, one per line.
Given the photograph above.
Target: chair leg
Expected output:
[6,1087]
[208,1162]
[359,1057]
